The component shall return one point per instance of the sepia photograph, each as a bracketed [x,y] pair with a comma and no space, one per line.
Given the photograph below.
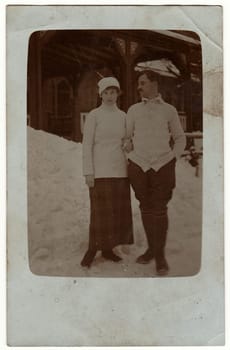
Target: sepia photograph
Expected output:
[115,220]
[114,140]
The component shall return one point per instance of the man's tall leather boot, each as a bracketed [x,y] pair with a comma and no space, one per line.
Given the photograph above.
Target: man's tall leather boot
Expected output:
[148,223]
[160,236]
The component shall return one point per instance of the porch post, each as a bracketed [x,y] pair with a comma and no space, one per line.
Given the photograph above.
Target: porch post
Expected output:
[128,81]
[124,47]
[188,93]
[35,82]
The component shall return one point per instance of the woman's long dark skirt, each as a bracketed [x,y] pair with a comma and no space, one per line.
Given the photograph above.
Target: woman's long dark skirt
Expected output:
[111,215]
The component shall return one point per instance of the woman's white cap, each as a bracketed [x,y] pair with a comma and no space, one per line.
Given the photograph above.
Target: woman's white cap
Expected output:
[104,83]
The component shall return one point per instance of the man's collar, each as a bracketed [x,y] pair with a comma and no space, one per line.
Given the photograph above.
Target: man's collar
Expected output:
[157,99]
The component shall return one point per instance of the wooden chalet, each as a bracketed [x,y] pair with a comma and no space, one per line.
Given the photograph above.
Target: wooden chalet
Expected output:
[64,67]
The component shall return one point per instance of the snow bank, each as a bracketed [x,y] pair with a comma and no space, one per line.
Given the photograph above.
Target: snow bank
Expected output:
[58,216]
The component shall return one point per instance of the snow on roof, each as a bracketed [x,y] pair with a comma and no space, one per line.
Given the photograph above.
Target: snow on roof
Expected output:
[164,67]
[195,78]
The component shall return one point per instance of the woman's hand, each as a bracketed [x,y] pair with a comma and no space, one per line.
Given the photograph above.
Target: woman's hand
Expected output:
[127,145]
[89,180]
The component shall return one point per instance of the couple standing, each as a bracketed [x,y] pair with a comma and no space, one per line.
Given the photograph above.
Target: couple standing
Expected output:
[120,149]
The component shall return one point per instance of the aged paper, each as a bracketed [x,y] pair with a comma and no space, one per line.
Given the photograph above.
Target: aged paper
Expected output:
[72,311]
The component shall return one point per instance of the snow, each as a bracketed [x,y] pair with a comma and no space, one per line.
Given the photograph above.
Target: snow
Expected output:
[163,66]
[197,137]
[58,216]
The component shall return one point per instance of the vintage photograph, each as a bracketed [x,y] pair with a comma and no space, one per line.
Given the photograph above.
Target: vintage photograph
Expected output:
[114,153]
[115,169]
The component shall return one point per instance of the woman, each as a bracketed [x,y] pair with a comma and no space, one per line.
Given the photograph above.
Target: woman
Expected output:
[105,171]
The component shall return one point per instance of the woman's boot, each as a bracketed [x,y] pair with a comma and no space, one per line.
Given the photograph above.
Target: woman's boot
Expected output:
[88,258]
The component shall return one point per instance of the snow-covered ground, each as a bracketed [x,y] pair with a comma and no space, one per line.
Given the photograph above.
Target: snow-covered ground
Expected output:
[58,217]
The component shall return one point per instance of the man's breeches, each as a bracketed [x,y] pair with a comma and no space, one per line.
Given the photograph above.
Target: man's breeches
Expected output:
[154,189]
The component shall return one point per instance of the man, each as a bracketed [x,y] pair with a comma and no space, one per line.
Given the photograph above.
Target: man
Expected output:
[151,124]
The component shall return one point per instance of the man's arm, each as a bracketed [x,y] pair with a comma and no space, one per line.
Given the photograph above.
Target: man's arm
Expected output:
[177,133]
[129,125]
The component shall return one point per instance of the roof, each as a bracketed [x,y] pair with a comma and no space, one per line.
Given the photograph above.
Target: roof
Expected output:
[172,34]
